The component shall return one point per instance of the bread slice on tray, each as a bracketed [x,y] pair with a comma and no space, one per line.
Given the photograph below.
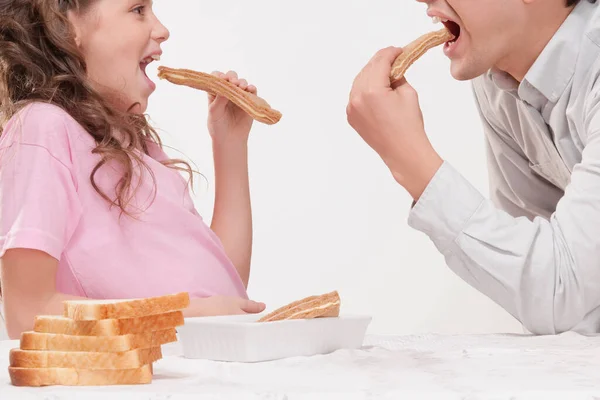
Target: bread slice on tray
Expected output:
[322,306]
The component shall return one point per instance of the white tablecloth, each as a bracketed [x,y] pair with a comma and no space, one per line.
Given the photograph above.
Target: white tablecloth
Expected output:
[566,366]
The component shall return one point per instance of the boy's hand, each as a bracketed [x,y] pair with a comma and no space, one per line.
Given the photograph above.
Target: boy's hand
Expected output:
[389,119]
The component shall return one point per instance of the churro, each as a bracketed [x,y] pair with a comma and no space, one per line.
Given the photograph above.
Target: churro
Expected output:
[322,306]
[253,105]
[416,49]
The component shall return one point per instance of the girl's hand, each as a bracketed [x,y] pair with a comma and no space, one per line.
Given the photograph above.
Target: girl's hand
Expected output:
[226,121]
[221,305]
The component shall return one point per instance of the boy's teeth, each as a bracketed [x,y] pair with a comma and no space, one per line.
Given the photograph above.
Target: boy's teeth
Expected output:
[156,57]
[437,20]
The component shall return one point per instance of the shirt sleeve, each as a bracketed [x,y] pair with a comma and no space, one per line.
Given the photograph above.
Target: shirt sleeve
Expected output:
[39,205]
[543,271]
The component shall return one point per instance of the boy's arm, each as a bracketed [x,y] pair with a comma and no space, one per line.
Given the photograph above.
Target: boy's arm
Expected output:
[544,271]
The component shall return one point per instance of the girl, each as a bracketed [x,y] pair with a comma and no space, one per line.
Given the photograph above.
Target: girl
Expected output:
[90,205]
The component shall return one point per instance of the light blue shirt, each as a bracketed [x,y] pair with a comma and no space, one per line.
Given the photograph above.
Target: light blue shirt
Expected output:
[534,247]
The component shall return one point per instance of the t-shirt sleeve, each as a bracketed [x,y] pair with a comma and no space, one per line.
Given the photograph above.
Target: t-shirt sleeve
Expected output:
[39,203]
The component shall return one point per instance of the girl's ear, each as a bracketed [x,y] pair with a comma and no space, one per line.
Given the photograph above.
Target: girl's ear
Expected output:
[75,26]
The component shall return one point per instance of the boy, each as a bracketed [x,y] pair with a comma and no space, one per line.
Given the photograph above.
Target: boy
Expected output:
[534,247]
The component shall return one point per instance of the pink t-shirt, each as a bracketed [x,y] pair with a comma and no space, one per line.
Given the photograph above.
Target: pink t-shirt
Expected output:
[47,202]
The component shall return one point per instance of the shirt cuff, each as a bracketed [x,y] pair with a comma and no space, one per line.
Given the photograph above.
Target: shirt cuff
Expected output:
[445,207]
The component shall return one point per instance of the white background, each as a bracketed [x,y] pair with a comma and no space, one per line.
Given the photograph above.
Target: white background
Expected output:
[327,213]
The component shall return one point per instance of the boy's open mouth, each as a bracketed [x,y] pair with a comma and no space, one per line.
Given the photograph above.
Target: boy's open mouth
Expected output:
[452,27]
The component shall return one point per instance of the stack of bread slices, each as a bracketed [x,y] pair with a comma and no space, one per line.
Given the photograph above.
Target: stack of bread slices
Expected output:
[98,342]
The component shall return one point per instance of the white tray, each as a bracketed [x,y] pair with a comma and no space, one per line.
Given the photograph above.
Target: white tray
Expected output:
[241,339]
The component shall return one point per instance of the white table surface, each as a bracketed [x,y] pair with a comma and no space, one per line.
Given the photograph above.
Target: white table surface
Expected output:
[566,366]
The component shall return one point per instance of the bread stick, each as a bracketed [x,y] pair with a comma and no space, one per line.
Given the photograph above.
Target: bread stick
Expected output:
[322,306]
[255,106]
[416,49]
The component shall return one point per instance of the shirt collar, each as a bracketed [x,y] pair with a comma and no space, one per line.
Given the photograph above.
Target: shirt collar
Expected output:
[552,71]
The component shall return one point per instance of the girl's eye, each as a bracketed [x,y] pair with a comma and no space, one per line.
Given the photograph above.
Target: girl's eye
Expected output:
[139,10]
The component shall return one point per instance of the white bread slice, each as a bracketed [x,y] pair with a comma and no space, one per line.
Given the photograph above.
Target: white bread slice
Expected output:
[82,310]
[107,327]
[111,344]
[79,377]
[82,359]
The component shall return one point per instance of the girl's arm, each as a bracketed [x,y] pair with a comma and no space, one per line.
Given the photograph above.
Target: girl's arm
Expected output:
[229,127]
[232,217]
[28,282]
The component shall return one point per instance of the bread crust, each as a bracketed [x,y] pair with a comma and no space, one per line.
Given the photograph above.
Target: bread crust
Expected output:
[83,359]
[36,377]
[108,327]
[110,344]
[84,310]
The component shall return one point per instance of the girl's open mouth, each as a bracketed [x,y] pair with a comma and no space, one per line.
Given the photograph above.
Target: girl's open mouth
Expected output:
[144,63]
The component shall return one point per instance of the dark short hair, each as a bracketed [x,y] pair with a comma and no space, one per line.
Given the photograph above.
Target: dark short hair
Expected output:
[573,2]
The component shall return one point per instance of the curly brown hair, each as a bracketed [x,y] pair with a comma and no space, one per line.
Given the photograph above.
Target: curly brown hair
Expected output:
[40,62]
